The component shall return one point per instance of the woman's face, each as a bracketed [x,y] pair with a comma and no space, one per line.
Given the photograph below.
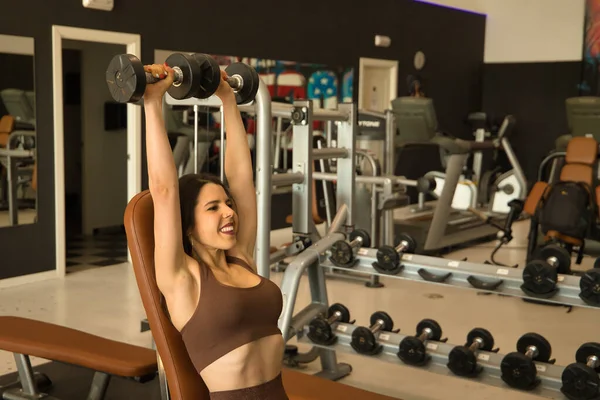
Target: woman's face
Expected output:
[216,220]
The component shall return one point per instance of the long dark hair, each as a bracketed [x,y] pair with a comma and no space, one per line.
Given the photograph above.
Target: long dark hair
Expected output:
[189,189]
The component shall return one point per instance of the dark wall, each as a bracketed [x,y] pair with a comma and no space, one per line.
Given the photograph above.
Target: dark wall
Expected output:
[535,94]
[329,32]
[18,74]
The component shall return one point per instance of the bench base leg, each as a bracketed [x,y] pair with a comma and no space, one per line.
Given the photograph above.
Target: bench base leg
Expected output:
[332,370]
[99,386]
[26,386]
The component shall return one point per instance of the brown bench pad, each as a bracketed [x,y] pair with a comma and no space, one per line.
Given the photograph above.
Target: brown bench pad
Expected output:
[301,386]
[71,346]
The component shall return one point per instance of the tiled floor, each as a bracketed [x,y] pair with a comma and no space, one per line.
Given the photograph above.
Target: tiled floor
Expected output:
[85,252]
[105,301]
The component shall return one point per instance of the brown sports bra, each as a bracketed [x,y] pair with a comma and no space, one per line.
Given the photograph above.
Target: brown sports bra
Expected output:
[228,317]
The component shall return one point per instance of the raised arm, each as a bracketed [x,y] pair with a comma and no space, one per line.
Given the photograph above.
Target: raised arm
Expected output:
[169,257]
[238,170]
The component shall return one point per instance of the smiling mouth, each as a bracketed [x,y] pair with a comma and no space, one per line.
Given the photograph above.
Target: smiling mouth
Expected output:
[227,229]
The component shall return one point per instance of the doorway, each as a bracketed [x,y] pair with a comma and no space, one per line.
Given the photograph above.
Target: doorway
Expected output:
[377,84]
[114,151]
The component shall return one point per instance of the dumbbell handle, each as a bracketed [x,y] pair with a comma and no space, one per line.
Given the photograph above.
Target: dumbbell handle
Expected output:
[593,362]
[236,82]
[377,327]
[177,78]
[335,317]
[477,344]
[553,261]
[425,334]
[402,246]
[356,243]
[531,352]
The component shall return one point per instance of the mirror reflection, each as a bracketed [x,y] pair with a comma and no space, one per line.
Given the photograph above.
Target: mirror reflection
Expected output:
[18,166]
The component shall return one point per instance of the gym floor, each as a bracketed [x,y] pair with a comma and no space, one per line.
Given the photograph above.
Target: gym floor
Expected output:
[105,301]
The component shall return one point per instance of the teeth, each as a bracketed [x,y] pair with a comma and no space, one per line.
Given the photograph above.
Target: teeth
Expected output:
[227,229]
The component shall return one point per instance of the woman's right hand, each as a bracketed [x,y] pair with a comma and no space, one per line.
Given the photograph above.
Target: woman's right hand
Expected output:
[155,91]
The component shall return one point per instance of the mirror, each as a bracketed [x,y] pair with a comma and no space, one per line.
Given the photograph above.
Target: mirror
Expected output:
[18,150]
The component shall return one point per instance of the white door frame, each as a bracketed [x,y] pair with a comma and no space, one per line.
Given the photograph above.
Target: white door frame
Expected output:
[392,66]
[134,125]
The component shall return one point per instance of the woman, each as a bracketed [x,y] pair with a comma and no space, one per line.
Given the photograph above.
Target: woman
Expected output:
[205,235]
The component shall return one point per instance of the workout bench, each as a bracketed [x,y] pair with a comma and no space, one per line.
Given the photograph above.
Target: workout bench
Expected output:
[26,337]
[177,374]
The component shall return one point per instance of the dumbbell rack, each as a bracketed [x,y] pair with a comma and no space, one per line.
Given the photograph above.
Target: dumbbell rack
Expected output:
[549,374]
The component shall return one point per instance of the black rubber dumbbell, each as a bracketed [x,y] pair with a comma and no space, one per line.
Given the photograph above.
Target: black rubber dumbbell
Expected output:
[363,338]
[462,360]
[319,329]
[518,368]
[343,254]
[411,349]
[541,275]
[589,286]
[580,380]
[389,258]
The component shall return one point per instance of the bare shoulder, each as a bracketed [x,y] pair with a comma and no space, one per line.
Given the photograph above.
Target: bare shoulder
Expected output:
[241,253]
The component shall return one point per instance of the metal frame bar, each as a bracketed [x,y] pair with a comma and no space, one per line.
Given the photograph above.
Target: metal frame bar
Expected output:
[549,374]
[302,163]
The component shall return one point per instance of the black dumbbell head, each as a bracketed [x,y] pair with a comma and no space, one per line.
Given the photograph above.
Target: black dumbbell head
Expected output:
[387,258]
[341,253]
[483,334]
[388,322]
[192,75]
[540,277]
[345,317]
[586,351]
[436,329]
[580,382]
[412,243]
[362,234]
[210,76]
[462,361]
[519,371]
[560,253]
[126,78]
[363,341]
[589,284]
[540,342]
[250,78]
[319,331]
[412,351]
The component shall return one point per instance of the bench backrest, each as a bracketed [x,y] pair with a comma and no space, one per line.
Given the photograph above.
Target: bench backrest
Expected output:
[183,380]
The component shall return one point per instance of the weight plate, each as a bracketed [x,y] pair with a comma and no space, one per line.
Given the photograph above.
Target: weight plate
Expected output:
[388,322]
[341,253]
[319,331]
[412,243]
[366,239]
[518,371]
[580,382]
[587,350]
[436,329]
[345,317]
[363,340]
[210,76]
[412,351]
[561,254]
[387,258]
[540,277]
[191,75]
[537,340]
[251,81]
[126,78]
[483,334]
[590,287]
[462,361]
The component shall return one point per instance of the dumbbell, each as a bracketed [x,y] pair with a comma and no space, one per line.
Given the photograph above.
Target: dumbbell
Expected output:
[195,75]
[411,349]
[580,380]
[518,368]
[319,329]
[363,338]
[388,257]
[343,254]
[462,360]
[589,285]
[541,275]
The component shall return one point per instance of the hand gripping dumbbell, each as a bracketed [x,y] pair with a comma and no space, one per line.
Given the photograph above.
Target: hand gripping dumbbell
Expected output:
[363,338]
[411,349]
[195,75]
[580,380]
[462,360]
[389,258]
[319,329]
[541,275]
[518,368]
[343,254]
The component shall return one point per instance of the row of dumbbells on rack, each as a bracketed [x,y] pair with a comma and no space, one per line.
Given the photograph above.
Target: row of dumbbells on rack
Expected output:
[540,276]
[519,369]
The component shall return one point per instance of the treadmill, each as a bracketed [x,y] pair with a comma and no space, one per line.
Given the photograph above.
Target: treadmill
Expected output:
[437,227]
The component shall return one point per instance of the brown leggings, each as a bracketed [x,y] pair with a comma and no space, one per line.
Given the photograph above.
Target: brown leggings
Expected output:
[272,390]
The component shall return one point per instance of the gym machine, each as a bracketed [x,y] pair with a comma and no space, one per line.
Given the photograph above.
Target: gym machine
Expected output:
[9,159]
